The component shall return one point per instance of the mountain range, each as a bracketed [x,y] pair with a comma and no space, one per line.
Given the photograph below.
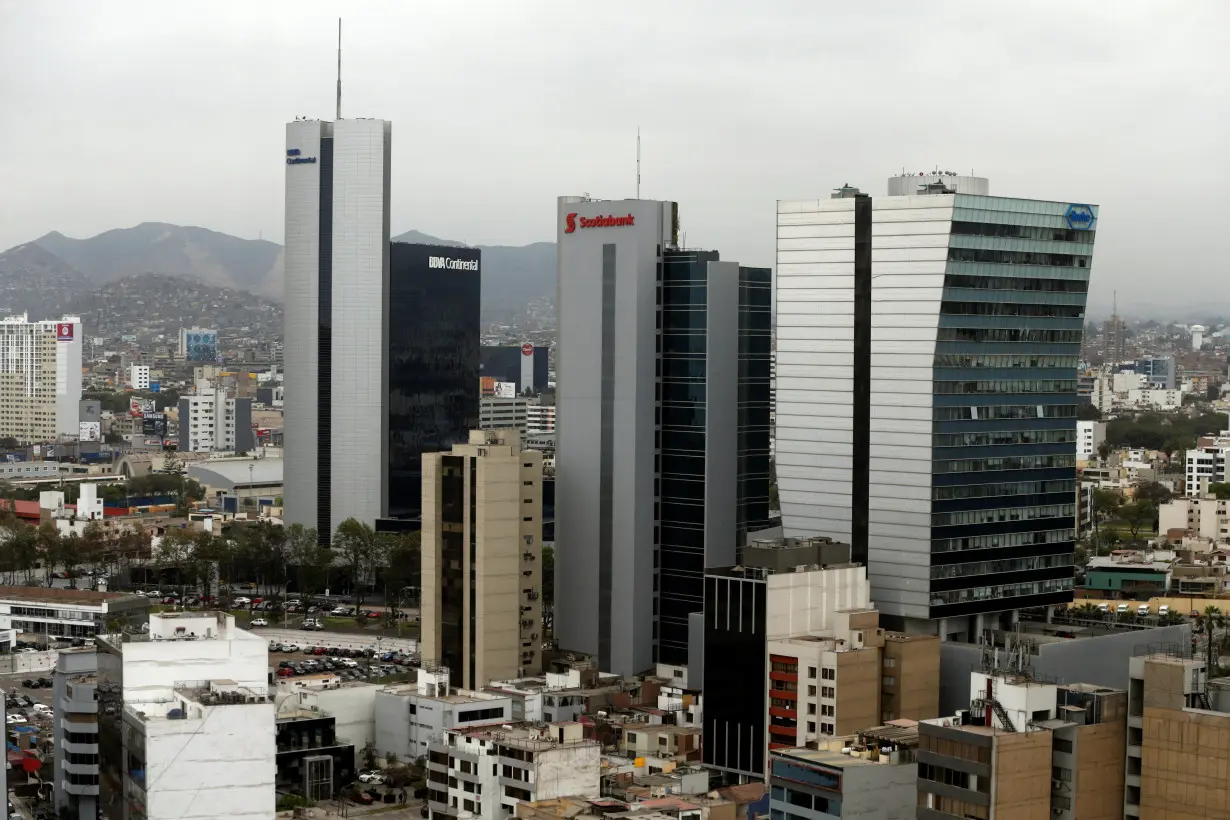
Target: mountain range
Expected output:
[39,276]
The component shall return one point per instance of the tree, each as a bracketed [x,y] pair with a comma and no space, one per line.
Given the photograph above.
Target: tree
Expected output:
[93,544]
[311,560]
[1105,502]
[1104,450]
[1210,620]
[360,551]
[1220,490]
[1087,412]
[48,541]
[1137,515]
[177,552]
[1153,492]
[403,555]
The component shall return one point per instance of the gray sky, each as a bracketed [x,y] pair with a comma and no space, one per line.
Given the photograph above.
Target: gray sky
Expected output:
[121,112]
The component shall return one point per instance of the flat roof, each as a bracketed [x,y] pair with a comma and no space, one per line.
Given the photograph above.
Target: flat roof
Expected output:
[55,595]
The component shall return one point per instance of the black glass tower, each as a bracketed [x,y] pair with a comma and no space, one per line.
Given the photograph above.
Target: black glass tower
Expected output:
[433,360]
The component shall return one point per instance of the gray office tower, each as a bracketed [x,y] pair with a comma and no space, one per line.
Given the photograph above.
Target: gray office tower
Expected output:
[336,321]
[927,344]
[662,454]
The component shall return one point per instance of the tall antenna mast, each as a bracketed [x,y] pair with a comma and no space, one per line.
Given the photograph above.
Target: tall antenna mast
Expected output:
[638,162]
[339,68]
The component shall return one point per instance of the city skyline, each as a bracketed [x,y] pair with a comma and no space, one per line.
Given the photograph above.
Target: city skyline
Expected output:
[570,130]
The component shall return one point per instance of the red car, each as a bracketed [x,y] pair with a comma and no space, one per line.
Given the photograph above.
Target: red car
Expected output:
[320,650]
[363,798]
[285,672]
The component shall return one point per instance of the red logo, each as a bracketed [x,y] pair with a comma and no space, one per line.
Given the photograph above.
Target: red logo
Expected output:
[606,221]
[64,332]
[527,349]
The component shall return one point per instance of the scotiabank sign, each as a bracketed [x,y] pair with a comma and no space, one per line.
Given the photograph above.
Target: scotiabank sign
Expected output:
[572,222]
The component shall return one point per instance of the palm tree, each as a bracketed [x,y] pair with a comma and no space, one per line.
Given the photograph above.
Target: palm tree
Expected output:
[1212,619]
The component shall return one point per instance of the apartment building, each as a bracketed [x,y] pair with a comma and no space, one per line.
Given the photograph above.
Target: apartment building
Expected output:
[1178,738]
[498,412]
[1089,436]
[487,771]
[872,773]
[40,380]
[138,376]
[74,726]
[409,717]
[539,418]
[1206,464]
[186,721]
[1205,518]
[1025,748]
[813,662]
[212,421]
[481,547]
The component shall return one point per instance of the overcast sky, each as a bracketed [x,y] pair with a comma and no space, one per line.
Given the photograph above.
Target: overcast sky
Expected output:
[121,112]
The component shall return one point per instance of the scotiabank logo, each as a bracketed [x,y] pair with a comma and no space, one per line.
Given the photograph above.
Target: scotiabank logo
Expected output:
[64,332]
[607,221]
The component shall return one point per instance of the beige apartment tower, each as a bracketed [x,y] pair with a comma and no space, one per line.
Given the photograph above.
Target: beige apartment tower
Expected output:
[482,557]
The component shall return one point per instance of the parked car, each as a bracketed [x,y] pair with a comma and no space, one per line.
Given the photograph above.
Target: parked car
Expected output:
[14,717]
[1142,610]
[313,623]
[29,684]
[43,708]
[285,672]
[350,663]
[1121,609]
[242,600]
[1104,608]
[363,798]
[45,683]
[258,622]
[290,647]
[375,778]
[1163,611]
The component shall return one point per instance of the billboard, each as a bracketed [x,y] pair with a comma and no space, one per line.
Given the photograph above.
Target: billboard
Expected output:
[90,431]
[200,344]
[154,424]
[64,332]
[505,390]
[139,407]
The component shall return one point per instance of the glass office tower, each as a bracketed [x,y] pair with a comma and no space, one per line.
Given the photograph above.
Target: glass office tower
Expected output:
[926,387]
[433,353]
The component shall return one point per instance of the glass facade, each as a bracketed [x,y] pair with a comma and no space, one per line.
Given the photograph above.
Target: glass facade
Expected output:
[1004,398]
[433,363]
[683,375]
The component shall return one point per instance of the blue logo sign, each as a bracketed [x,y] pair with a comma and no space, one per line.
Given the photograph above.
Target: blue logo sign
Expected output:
[292,152]
[1080,217]
[294,157]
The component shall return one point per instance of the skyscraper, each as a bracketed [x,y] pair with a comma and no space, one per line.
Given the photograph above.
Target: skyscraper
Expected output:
[336,321]
[926,386]
[40,379]
[662,433]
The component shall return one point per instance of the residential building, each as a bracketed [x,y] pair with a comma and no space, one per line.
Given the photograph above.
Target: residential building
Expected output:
[813,662]
[138,376]
[486,771]
[433,347]
[481,610]
[43,613]
[74,729]
[1156,399]
[1025,748]
[871,773]
[1206,465]
[539,419]
[336,320]
[410,717]
[1177,722]
[664,366]
[211,421]
[1205,518]
[524,365]
[495,413]
[1089,437]
[200,344]
[186,724]
[924,367]
[40,386]
[662,740]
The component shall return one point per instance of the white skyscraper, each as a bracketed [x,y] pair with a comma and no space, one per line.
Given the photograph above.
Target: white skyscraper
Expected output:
[40,379]
[336,321]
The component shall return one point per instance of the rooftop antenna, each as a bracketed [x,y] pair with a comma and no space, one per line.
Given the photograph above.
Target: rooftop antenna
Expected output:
[638,162]
[339,68]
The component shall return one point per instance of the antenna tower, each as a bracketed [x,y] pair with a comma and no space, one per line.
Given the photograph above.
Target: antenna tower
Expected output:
[339,68]
[638,162]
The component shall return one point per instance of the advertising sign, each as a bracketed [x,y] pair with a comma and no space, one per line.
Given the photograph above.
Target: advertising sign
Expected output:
[64,332]
[505,390]
[90,431]
[139,407]
[527,349]
[154,424]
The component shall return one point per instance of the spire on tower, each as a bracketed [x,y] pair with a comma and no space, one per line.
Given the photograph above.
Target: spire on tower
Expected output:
[339,68]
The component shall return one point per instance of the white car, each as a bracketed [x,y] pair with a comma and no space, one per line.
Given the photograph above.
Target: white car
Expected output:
[290,647]
[258,622]
[42,708]
[14,717]
[374,778]
[350,663]
[241,601]
[1163,610]
[1142,610]
[1121,609]
[339,610]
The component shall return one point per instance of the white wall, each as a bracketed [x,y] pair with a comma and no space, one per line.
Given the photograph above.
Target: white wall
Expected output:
[352,707]
[802,603]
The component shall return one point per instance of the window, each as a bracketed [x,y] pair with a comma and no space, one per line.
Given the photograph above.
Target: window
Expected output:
[811,691]
[811,726]
[811,672]
[827,710]
[828,692]
[828,673]
[811,708]
[826,728]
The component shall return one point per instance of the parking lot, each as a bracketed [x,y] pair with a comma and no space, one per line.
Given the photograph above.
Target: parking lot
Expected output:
[347,664]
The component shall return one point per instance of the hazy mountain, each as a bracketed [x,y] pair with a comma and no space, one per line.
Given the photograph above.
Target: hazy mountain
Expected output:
[192,253]
[513,276]
[35,281]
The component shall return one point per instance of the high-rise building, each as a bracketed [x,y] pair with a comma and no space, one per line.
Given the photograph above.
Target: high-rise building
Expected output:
[926,398]
[523,365]
[186,721]
[1159,371]
[138,376]
[435,295]
[664,371]
[40,379]
[336,321]
[74,696]
[212,421]
[482,579]
[198,344]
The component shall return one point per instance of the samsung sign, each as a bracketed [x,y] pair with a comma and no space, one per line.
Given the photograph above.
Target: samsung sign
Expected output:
[451,264]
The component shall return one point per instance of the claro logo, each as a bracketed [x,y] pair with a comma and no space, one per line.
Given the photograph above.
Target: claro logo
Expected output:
[608,221]
[451,264]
